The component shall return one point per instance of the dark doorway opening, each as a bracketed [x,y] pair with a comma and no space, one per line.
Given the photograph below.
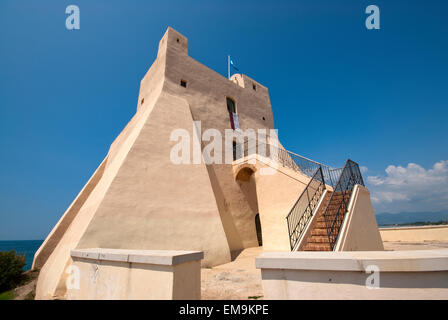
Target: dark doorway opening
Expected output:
[258,228]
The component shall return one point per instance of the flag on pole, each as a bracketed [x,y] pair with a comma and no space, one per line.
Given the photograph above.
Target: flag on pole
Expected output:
[233,65]
[230,63]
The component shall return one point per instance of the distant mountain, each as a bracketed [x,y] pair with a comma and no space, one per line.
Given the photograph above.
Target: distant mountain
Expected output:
[409,217]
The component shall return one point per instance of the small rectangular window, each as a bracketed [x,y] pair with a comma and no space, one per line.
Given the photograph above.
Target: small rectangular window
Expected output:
[238,150]
[234,150]
[183,83]
[143,100]
[254,87]
[231,105]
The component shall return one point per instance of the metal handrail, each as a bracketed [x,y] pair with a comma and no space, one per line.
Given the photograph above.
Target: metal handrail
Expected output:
[294,161]
[302,210]
[316,162]
[349,177]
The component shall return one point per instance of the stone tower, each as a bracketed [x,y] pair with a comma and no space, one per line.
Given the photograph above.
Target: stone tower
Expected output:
[139,199]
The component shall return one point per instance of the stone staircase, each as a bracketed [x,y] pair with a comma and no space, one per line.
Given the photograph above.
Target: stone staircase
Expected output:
[322,229]
[318,239]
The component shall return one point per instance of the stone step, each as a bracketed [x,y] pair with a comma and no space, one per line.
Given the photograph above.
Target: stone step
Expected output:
[319,232]
[330,217]
[317,247]
[320,224]
[318,239]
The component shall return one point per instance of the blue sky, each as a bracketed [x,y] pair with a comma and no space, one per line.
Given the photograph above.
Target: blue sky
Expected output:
[338,90]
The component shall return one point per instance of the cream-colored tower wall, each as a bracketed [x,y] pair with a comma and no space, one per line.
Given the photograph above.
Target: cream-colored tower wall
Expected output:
[206,94]
[156,204]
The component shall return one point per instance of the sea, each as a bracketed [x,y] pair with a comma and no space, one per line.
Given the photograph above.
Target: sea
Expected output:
[26,247]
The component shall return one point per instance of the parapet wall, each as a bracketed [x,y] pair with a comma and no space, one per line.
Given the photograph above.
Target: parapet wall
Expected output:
[415,234]
[418,274]
[111,274]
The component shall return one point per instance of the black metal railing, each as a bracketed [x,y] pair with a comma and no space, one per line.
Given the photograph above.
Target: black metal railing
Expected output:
[291,160]
[305,165]
[337,205]
[333,176]
[302,211]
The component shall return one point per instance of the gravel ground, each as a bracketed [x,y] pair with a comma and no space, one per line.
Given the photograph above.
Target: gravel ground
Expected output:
[236,280]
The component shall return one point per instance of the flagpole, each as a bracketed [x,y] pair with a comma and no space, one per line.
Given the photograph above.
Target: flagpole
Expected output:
[228,66]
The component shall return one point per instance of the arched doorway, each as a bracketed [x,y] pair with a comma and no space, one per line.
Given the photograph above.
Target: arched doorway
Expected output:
[258,228]
[245,178]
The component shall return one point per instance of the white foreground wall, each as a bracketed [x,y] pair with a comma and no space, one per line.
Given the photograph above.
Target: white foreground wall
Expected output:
[419,274]
[98,274]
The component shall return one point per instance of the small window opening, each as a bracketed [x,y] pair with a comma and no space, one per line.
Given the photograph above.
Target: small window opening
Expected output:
[234,150]
[183,83]
[258,229]
[238,150]
[264,118]
[231,105]
[232,112]
[254,87]
[177,39]
[143,100]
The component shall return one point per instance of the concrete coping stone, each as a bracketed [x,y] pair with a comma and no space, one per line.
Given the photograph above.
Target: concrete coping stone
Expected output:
[387,261]
[414,227]
[158,257]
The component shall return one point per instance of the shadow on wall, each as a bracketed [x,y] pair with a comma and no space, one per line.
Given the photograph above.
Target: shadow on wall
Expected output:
[233,238]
